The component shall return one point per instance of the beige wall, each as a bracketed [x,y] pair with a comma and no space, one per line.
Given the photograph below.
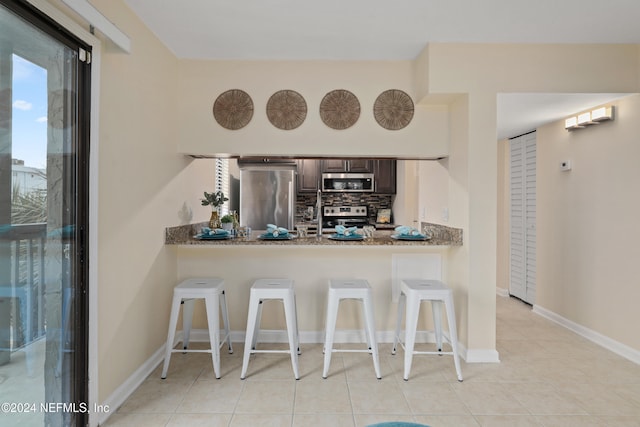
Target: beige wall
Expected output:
[535,68]
[503,249]
[200,83]
[473,161]
[433,193]
[405,204]
[587,231]
[144,186]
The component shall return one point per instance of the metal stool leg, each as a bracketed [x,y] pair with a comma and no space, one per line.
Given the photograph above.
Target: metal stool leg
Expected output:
[292,328]
[436,308]
[256,329]
[187,319]
[213,321]
[453,335]
[225,319]
[332,314]
[370,326]
[413,309]
[401,307]
[252,320]
[173,321]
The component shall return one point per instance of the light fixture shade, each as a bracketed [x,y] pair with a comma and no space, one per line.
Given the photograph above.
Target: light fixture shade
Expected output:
[571,123]
[589,118]
[601,114]
[584,118]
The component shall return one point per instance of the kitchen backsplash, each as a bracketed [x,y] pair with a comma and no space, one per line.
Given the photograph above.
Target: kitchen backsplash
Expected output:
[373,201]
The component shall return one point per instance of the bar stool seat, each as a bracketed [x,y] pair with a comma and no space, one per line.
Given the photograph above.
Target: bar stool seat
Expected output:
[412,293]
[358,289]
[271,289]
[211,289]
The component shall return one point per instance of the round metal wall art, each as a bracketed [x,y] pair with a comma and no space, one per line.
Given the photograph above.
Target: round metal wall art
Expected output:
[393,109]
[286,109]
[233,109]
[339,109]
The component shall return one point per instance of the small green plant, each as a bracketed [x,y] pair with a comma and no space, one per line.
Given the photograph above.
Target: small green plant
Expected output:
[216,199]
[227,219]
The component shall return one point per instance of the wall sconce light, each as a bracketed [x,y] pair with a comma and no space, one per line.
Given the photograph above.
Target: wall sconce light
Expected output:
[592,117]
[572,123]
[584,119]
[601,114]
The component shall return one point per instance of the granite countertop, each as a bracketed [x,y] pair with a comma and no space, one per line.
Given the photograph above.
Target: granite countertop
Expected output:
[440,236]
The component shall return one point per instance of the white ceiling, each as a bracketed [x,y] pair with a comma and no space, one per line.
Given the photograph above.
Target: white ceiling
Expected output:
[393,30]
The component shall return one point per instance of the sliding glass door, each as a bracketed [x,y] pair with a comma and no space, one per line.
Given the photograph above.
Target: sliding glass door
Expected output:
[44,99]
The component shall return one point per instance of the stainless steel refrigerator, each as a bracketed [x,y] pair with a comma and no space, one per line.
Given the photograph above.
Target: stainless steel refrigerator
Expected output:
[267,196]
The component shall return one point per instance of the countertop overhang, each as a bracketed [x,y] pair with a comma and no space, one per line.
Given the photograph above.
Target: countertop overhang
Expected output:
[440,236]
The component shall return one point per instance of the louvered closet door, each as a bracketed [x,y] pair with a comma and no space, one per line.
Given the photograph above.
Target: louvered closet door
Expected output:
[523,217]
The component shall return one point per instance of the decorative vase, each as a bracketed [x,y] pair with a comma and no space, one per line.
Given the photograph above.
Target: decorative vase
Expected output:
[227,226]
[214,221]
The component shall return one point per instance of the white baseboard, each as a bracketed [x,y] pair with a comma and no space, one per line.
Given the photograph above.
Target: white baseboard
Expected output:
[502,292]
[122,393]
[593,336]
[481,356]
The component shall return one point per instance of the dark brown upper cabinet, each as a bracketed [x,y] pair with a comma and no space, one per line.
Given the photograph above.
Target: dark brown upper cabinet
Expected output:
[347,165]
[308,175]
[384,171]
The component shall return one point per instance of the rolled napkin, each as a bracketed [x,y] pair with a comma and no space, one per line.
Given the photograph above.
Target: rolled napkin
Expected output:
[405,230]
[344,231]
[275,231]
[206,231]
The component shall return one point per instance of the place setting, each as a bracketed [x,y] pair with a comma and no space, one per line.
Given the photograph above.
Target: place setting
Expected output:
[405,232]
[344,233]
[207,233]
[274,232]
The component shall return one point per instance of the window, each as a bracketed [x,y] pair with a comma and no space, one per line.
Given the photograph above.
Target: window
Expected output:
[222,182]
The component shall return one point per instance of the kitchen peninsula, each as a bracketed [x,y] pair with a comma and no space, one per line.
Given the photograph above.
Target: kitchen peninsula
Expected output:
[310,262]
[439,236]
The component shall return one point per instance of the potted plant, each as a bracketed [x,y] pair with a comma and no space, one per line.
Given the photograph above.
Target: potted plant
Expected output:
[227,222]
[215,200]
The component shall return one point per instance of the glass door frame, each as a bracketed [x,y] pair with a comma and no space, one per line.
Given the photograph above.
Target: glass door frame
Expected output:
[80,272]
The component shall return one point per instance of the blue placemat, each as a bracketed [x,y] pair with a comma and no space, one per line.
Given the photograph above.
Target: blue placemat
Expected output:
[397,424]
[212,236]
[337,236]
[269,236]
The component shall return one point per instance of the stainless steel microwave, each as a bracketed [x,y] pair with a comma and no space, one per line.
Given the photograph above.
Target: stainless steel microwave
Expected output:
[347,182]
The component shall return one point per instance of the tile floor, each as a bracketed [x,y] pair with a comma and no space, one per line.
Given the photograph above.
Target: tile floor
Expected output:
[548,376]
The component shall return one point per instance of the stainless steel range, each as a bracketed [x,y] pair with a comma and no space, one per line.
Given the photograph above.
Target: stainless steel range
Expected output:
[349,216]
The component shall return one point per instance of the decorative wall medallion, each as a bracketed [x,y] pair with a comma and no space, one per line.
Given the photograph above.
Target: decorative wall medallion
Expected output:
[339,109]
[233,109]
[286,109]
[393,109]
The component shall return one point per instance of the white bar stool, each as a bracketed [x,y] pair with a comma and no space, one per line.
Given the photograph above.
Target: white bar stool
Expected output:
[412,293]
[210,289]
[350,289]
[271,289]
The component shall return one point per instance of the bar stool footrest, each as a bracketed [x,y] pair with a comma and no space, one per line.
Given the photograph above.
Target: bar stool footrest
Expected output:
[271,351]
[351,350]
